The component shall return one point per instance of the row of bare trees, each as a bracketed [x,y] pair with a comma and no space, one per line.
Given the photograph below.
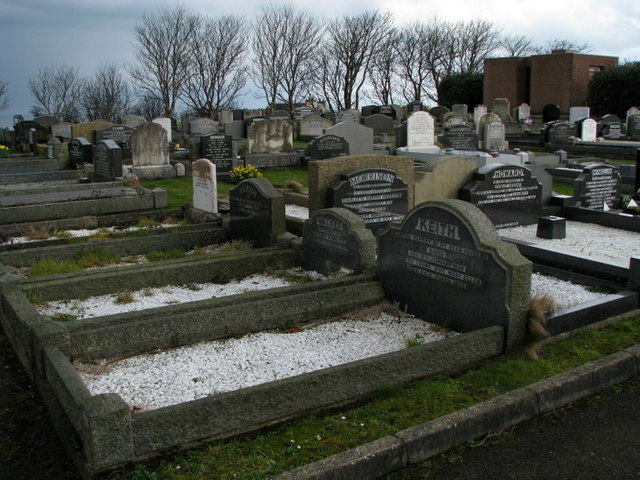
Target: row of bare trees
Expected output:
[289,56]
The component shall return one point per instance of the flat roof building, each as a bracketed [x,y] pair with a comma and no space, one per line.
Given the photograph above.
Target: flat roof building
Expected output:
[560,78]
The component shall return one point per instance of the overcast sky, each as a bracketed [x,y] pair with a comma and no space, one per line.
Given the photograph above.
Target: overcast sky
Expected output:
[87,33]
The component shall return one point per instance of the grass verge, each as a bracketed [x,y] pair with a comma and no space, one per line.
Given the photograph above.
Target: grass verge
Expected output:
[180,189]
[393,409]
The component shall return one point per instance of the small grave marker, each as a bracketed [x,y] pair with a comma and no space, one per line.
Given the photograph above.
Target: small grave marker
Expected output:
[335,239]
[107,161]
[257,212]
[205,190]
[80,152]
[597,187]
[219,149]
[327,146]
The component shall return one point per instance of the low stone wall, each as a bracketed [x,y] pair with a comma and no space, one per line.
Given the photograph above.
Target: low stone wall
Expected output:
[53,176]
[32,213]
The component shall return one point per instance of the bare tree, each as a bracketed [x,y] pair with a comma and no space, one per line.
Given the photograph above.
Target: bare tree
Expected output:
[302,35]
[4,100]
[383,77]
[106,95]
[268,48]
[148,107]
[216,72]
[475,41]
[517,46]
[426,53]
[162,53]
[284,44]
[56,91]
[348,54]
[558,44]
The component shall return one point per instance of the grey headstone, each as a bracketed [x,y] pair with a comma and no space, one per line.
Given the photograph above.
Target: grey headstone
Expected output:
[150,145]
[557,133]
[633,127]
[235,129]
[133,120]
[359,137]
[313,125]
[379,123]
[576,113]
[270,136]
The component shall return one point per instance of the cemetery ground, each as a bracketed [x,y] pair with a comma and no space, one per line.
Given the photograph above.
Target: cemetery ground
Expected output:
[392,409]
[29,448]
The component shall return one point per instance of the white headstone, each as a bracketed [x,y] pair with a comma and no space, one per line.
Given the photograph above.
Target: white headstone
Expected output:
[589,130]
[420,130]
[205,189]
[166,124]
[576,113]
[494,135]
[478,112]
[524,112]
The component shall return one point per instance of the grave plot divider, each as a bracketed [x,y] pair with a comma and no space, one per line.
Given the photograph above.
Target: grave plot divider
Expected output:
[605,219]
[591,312]
[207,320]
[578,265]
[53,176]
[112,435]
[158,274]
[31,213]
[135,245]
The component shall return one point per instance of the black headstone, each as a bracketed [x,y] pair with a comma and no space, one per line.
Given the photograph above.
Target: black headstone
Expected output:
[508,194]
[377,195]
[107,161]
[596,185]
[256,212]
[551,227]
[80,152]
[401,134]
[121,134]
[336,239]
[557,133]
[612,131]
[387,110]
[219,149]
[460,137]
[368,110]
[446,264]
[327,146]
[550,113]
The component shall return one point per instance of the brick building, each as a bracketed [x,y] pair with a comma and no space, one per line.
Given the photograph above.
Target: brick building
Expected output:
[561,77]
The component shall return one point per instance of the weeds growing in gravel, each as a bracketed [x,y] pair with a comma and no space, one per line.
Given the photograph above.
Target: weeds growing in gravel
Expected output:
[124,297]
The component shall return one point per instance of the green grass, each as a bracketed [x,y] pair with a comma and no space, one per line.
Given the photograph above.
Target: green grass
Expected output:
[562,188]
[180,189]
[98,257]
[318,436]
[160,256]
[48,266]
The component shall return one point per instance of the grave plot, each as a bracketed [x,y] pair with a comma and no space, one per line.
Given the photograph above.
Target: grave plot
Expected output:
[107,240]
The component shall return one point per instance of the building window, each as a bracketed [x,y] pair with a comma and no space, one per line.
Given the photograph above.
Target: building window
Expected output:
[593,69]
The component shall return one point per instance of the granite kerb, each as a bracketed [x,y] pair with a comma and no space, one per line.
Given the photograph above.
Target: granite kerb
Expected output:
[22,255]
[193,269]
[419,443]
[138,436]
[29,213]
